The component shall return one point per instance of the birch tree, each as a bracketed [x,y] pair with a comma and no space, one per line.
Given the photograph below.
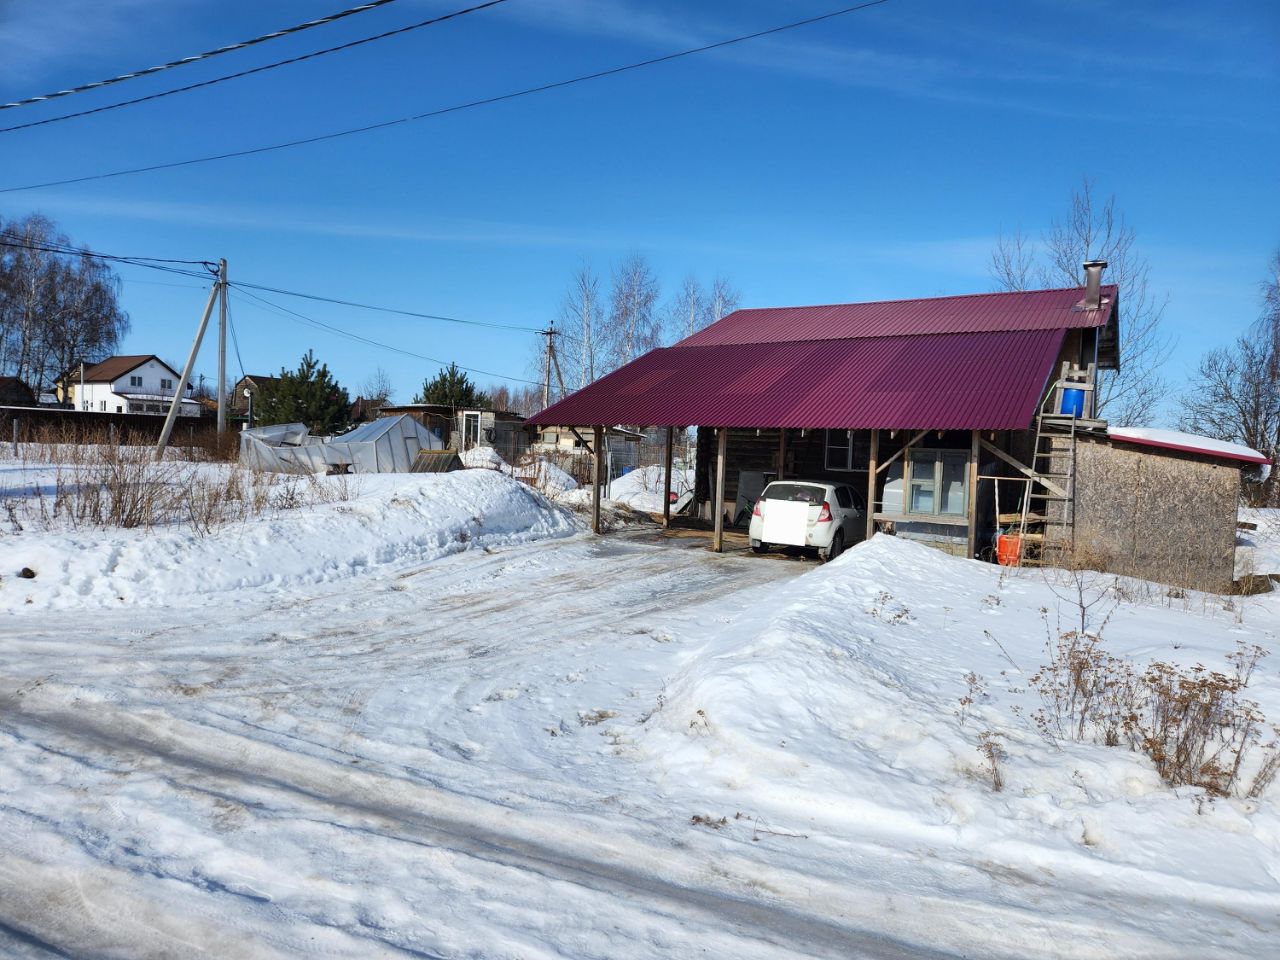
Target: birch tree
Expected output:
[633,326]
[581,326]
[57,306]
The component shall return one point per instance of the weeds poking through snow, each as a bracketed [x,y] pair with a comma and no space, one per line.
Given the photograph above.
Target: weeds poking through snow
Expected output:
[698,820]
[888,610]
[993,753]
[976,690]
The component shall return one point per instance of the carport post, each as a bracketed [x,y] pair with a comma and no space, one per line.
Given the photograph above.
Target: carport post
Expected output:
[597,450]
[973,495]
[722,440]
[782,451]
[871,484]
[666,490]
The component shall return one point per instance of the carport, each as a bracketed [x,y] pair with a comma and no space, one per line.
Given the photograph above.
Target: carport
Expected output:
[871,391]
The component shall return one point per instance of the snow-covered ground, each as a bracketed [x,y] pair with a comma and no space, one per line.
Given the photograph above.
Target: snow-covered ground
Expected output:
[436,720]
[1258,552]
[642,488]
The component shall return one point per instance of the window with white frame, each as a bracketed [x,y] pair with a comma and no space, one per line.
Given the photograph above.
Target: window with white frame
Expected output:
[166,384]
[938,483]
[135,381]
[550,436]
[102,405]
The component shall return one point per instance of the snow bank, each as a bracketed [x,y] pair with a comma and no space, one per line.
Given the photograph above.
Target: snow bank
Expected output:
[835,704]
[642,488]
[393,519]
[482,458]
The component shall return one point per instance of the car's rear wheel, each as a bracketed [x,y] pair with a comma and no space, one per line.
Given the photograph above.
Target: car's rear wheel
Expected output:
[837,545]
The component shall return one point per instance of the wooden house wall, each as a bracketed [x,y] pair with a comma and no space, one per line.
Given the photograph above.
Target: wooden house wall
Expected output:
[1157,515]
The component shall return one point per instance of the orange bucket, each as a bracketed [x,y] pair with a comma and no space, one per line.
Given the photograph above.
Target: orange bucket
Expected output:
[1008,549]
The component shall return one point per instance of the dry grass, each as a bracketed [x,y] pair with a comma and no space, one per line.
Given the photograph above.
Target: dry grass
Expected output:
[1196,725]
[110,485]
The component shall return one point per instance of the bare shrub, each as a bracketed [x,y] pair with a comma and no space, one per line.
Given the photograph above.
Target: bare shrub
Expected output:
[1195,724]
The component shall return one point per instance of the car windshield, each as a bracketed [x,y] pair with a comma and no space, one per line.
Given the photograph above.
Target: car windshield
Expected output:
[795,492]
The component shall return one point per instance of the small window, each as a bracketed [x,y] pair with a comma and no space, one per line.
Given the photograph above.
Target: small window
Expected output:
[135,381]
[844,452]
[166,384]
[938,482]
[550,436]
[102,405]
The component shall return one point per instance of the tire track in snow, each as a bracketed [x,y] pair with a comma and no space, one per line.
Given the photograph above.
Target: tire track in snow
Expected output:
[782,908]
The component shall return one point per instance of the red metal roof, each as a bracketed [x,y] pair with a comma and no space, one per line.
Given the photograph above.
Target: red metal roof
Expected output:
[974,313]
[956,381]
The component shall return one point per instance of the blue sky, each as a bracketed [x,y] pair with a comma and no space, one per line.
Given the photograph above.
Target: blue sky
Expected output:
[874,156]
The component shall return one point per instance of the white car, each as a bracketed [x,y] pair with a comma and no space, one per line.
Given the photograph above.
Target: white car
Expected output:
[806,513]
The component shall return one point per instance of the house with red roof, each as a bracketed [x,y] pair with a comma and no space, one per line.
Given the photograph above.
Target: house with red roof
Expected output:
[137,383]
[964,420]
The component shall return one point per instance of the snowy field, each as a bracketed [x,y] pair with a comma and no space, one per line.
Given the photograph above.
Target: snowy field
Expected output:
[436,719]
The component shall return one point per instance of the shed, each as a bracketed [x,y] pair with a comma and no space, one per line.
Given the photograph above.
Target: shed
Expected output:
[1160,504]
[386,445]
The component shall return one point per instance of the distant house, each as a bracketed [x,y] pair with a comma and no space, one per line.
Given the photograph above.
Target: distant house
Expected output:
[15,393]
[622,445]
[367,409]
[140,383]
[239,400]
[502,430]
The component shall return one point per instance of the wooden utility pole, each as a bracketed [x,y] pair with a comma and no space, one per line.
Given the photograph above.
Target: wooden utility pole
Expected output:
[185,377]
[666,487]
[546,379]
[722,441]
[222,347]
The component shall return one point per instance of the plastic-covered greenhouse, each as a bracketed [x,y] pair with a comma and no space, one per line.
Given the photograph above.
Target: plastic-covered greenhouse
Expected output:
[386,445]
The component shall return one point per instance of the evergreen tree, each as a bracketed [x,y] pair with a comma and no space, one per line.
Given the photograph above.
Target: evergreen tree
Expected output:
[452,388]
[308,395]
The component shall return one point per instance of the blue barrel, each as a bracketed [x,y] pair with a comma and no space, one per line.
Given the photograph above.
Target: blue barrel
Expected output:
[1073,403]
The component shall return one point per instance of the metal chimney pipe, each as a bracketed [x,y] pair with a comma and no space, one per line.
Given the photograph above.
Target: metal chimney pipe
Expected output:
[1093,284]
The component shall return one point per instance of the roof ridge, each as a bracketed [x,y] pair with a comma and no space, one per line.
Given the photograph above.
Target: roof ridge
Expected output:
[953,296]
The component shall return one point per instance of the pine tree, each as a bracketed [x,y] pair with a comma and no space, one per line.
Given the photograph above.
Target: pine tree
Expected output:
[308,395]
[452,388]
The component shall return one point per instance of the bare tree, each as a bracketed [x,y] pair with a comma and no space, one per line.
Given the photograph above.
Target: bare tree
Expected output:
[581,327]
[1098,231]
[377,386]
[722,302]
[57,307]
[633,325]
[687,310]
[1236,397]
[1013,261]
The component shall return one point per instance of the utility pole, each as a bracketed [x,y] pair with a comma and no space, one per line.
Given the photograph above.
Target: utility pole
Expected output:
[222,346]
[185,376]
[546,379]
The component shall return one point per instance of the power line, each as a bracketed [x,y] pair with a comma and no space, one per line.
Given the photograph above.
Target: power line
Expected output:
[200,56]
[253,70]
[368,306]
[18,241]
[303,318]
[487,101]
